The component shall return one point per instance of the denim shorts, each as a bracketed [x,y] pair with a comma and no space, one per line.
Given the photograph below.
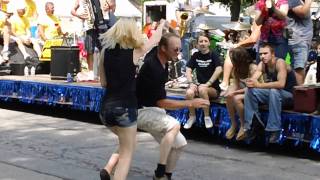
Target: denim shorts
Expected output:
[118,116]
[300,54]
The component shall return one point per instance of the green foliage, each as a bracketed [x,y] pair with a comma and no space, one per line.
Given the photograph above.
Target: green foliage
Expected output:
[244,3]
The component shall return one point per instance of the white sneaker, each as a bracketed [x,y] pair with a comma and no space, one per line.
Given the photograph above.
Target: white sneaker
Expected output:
[5,55]
[90,76]
[208,122]
[33,71]
[190,122]
[1,60]
[26,71]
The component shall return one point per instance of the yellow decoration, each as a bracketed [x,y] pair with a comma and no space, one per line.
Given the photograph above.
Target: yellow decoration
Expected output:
[46,50]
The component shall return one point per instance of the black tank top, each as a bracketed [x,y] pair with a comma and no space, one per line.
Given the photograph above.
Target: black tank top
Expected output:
[290,81]
[120,73]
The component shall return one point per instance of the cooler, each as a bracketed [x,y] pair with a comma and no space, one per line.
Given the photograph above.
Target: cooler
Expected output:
[306,98]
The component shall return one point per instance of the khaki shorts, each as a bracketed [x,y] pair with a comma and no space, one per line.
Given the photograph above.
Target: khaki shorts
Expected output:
[155,121]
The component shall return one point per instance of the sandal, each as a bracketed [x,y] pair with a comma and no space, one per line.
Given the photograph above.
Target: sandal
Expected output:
[241,134]
[230,133]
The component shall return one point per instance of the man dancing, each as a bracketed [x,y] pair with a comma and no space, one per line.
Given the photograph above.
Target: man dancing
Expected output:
[152,100]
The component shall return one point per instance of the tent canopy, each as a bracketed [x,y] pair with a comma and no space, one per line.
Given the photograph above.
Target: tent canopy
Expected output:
[124,7]
[63,8]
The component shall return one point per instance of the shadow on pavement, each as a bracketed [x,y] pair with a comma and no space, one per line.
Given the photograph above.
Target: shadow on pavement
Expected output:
[288,148]
[195,133]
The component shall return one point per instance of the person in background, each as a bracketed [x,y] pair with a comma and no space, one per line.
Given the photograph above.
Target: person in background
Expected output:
[187,6]
[81,11]
[271,15]
[208,69]
[49,25]
[32,15]
[311,66]
[153,102]
[5,28]
[146,28]
[275,91]
[151,29]
[123,46]
[31,11]
[243,68]
[247,43]
[20,27]
[108,9]
[300,33]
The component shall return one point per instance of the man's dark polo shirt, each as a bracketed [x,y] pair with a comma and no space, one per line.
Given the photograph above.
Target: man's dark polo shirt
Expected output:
[151,80]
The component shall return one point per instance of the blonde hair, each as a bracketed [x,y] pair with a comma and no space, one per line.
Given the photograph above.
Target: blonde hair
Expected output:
[124,32]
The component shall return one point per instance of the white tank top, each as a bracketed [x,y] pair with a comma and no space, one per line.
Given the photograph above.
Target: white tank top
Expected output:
[81,10]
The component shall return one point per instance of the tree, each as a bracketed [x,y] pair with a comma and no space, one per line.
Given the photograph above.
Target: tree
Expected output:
[235,6]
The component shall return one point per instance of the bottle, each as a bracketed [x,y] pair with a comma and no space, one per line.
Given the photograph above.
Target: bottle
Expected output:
[26,71]
[69,78]
[33,71]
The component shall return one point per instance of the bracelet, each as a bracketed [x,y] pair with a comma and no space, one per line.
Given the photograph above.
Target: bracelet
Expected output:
[210,82]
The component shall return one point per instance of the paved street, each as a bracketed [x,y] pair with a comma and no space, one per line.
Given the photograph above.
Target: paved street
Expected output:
[36,147]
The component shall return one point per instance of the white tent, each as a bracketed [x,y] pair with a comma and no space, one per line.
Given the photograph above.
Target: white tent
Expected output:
[73,24]
[124,7]
[63,7]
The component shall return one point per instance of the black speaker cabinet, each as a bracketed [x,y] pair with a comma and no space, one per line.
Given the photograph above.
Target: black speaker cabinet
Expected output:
[64,60]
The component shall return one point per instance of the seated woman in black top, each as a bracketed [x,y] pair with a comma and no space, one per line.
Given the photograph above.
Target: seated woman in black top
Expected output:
[208,69]
[123,46]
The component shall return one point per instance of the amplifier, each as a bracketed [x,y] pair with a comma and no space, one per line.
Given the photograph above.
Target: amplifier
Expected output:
[64,60]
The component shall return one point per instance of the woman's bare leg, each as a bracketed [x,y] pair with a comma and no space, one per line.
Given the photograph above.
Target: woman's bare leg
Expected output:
[127,142]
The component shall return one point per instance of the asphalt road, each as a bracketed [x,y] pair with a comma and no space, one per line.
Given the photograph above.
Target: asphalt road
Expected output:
[49,143]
